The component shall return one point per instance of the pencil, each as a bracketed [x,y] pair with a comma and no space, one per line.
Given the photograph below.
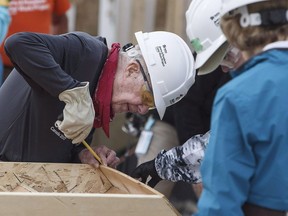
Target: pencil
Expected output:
[92,151]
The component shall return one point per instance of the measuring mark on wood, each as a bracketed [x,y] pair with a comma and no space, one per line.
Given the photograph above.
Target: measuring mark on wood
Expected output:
[63,183]
[17,177]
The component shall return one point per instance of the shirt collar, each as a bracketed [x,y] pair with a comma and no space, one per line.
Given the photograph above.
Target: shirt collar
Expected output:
[276,45]
[255,59]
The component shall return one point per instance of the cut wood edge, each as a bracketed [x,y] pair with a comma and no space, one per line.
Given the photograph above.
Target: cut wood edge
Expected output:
[121,180]
[67,204]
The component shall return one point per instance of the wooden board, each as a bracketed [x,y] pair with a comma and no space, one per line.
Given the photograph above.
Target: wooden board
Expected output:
[75,189]
[38,177]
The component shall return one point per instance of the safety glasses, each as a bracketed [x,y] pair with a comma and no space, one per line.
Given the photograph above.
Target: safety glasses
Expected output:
[146,93]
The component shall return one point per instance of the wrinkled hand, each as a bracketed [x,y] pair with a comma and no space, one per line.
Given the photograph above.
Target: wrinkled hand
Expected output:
[143,171]
[107,156]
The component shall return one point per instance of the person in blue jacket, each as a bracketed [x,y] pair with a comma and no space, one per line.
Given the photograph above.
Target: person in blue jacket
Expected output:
[244,170]
[4,24]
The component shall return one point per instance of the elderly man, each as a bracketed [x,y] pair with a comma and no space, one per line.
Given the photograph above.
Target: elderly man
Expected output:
[62,86]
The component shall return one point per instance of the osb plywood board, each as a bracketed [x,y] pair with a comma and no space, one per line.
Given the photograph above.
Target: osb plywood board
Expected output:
[59,178]
[75,189]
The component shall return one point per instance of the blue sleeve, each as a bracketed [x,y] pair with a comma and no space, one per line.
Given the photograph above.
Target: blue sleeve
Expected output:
[229,162]
[4,22]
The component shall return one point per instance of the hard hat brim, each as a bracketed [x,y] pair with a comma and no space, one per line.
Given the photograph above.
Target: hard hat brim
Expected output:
[214,61]
[202,57]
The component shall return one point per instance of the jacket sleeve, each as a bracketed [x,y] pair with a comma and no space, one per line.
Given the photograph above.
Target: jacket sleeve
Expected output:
[182,163]
[229,163]
[42,59]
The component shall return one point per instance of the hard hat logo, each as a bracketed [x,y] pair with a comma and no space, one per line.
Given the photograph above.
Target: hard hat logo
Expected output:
[174,100]
[159,50]
[216,19]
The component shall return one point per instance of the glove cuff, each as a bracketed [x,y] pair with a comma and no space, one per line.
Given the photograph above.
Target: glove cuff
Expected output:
[76,94]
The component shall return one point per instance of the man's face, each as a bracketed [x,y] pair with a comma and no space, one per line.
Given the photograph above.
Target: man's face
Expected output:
[132,101]
[131,94]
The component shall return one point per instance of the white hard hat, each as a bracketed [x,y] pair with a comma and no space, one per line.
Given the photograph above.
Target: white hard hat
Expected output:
[230,5]
[205,35]
[170,65]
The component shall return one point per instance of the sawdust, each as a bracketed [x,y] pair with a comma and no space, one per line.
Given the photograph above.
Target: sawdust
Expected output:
[54,178]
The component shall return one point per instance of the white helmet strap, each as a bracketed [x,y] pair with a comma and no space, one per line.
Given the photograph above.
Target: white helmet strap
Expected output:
[270,17]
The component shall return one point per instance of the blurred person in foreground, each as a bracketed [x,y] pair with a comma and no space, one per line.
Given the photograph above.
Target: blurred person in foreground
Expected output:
[244,170]
[64,86]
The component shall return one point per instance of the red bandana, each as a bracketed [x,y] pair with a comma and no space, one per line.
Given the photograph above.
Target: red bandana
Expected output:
[103,94]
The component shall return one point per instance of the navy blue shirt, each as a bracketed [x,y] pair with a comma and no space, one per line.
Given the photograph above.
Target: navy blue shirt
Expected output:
[45,66]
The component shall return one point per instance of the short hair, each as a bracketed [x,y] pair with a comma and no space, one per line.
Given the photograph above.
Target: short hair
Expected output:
[253,38]
[138,55]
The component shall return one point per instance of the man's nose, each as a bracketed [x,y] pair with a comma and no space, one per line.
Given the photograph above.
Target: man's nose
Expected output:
[143,109]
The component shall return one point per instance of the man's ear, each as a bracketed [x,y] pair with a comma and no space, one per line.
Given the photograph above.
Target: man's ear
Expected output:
[133,68]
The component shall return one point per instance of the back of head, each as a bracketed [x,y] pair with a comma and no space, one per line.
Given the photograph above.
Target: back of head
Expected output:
[170,65]
[251,24]
[204,32]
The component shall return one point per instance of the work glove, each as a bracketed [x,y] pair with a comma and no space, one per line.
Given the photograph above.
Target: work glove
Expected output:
[143,171]
[78,113]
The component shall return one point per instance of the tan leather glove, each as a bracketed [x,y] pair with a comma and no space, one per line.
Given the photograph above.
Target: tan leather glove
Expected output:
[78,113]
